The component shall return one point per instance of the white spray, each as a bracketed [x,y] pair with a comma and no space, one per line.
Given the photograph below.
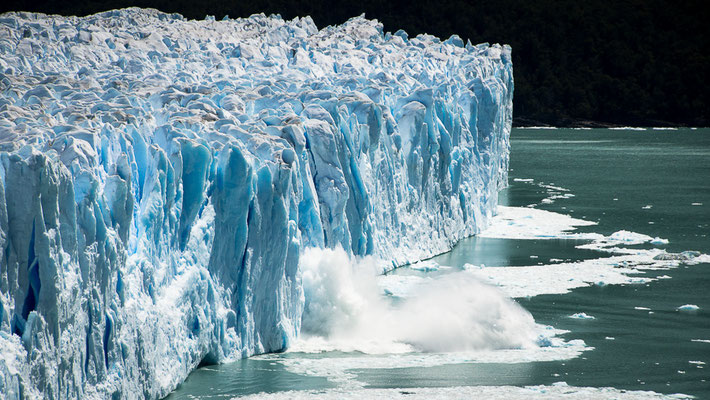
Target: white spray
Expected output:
[347,311]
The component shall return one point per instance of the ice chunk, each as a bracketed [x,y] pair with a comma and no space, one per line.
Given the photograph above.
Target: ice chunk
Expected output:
[684,256]
[581,315]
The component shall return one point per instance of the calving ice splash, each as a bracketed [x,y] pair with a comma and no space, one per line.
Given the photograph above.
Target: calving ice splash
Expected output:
[162,180]
[357,320]
[427,318]
[345,310]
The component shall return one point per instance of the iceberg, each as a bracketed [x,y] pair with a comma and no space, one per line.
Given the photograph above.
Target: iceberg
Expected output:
[160,179]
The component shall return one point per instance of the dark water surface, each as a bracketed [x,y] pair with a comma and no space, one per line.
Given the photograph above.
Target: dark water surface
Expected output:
[614,176]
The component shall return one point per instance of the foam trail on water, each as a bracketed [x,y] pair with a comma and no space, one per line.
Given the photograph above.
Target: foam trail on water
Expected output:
[345,310]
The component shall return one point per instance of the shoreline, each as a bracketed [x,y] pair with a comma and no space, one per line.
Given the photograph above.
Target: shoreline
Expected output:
[525,123]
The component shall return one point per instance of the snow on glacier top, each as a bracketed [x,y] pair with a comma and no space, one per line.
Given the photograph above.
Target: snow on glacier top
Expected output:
[259,71]
[73,85]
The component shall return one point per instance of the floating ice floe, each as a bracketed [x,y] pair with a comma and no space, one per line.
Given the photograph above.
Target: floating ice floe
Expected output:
[553,192]
[685,256]
[425,266]
[624,265]
[581,315]
[531,223]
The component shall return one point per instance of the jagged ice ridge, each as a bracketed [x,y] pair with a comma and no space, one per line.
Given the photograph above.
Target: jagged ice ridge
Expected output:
[160,178]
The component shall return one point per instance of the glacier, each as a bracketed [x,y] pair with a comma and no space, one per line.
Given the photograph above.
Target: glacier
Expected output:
[162,177]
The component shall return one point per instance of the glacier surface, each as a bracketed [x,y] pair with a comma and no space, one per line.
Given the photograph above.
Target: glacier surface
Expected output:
[161,178]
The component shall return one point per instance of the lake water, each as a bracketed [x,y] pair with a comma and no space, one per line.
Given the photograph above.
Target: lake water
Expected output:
[609,315]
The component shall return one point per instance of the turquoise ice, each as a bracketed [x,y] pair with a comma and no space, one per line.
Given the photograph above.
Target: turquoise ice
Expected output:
[161,178]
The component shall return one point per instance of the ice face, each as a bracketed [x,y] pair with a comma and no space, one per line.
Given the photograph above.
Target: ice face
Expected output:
[161,178]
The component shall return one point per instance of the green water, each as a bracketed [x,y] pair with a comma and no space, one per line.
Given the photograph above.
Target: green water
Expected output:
[613,176]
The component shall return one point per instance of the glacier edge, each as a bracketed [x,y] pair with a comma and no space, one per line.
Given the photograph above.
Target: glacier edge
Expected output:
[160,178]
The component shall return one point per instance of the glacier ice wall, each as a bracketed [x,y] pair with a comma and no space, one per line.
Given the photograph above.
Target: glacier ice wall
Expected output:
[160,178]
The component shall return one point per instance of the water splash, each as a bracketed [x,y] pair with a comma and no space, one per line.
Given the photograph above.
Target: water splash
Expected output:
[346,310]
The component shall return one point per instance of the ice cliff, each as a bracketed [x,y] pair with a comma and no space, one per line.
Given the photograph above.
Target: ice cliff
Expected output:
[161,177]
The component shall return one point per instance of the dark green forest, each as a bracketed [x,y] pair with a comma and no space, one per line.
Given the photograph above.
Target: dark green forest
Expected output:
[593,63]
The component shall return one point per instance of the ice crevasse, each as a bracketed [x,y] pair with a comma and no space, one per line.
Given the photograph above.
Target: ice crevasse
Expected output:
[161,177]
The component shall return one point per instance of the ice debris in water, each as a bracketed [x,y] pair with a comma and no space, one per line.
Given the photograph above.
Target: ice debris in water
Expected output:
[683,256]
[581,315]
[160,178]
[557,390]
[623,266]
